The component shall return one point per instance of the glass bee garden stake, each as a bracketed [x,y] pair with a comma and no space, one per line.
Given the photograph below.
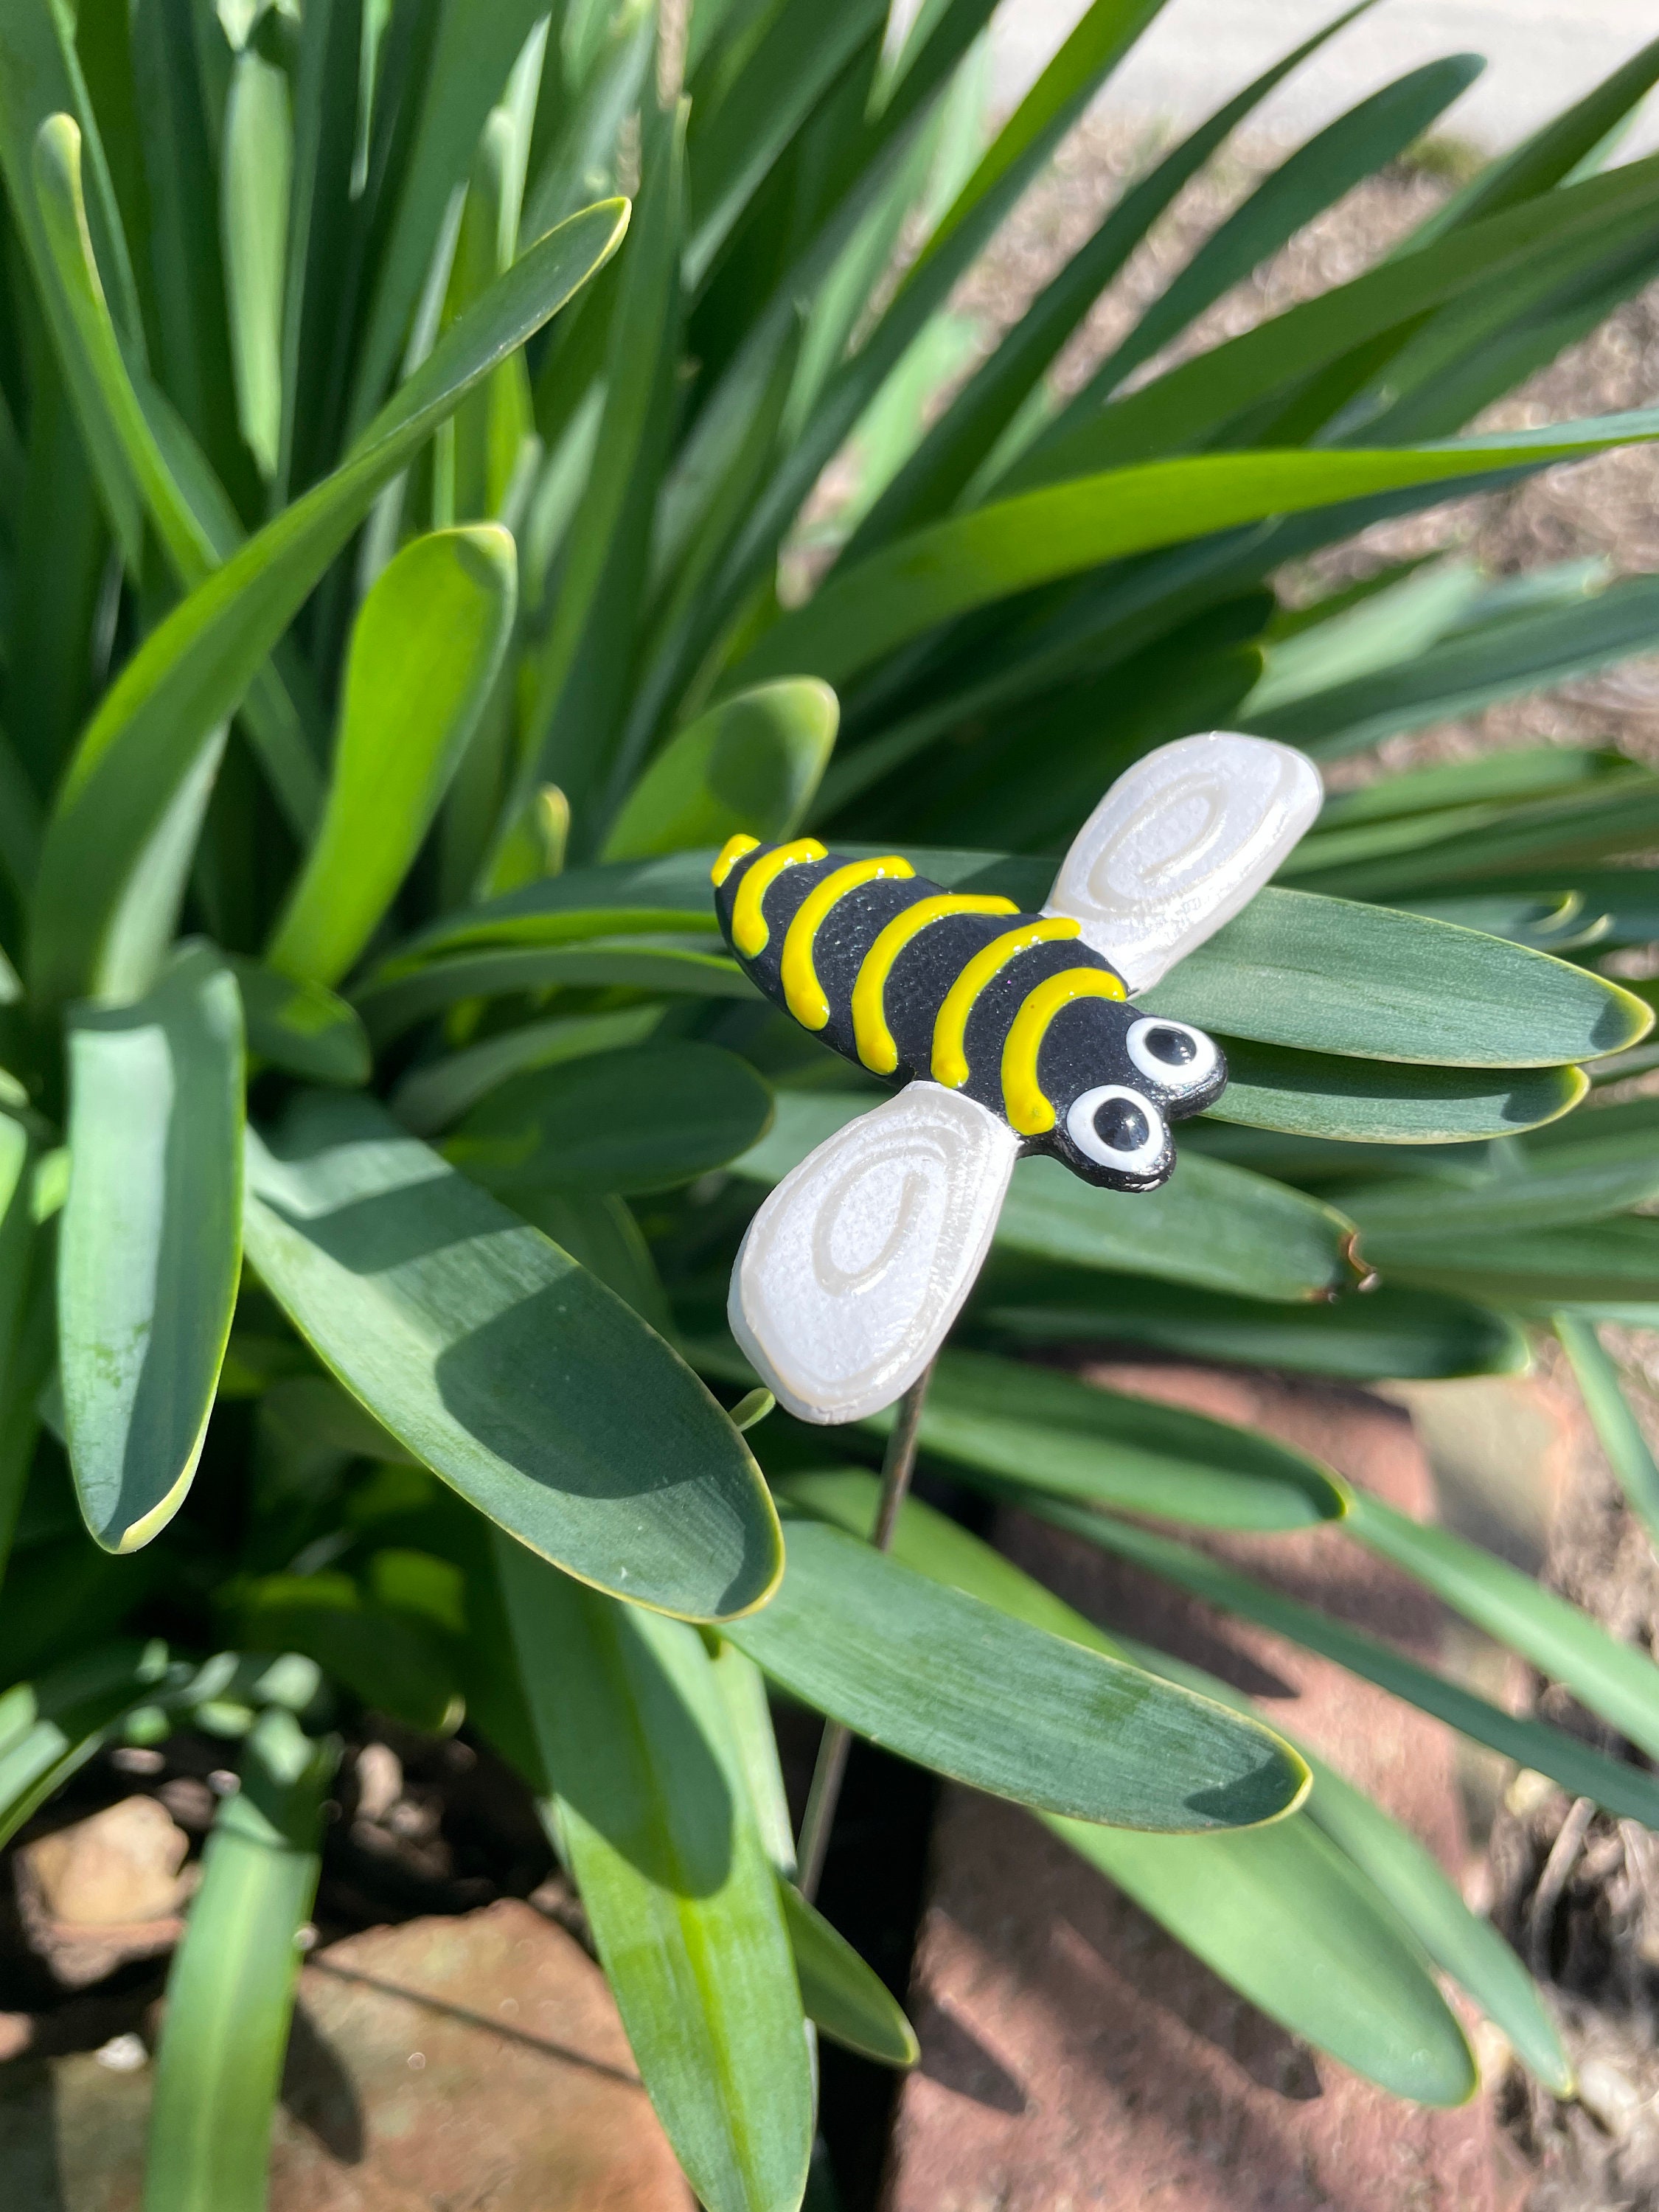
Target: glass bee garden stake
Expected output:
[1012,1033]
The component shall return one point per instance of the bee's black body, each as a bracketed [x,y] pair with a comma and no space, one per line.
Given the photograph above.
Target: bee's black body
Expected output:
[915,983]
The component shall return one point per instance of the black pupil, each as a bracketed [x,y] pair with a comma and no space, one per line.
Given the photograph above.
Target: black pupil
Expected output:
[1120,1125]
[1173,1047]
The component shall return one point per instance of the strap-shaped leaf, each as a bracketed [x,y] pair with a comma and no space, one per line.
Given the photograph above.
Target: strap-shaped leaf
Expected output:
[1617,1429]
[49,1728]
[1596,1263]
[946,1681]
[300,1027]
[752,763]
[1464,1945]
[1106,1448]
[1337,977]
[1386,1101]
[965,432]
[685,1905]
[1211,1222]
[504,1366]
[1621,1789]
[1277,1911]
[149,731]
[1388,1334]
[631,1121]
[230,1993]
[840,1993]
[426,650]
[955,567]
[121,412]
[677,964]
[150,1249]
[1613,1678]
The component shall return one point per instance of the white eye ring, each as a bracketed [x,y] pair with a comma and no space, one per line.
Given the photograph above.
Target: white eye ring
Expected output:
[1188,1074]
[1136,1160]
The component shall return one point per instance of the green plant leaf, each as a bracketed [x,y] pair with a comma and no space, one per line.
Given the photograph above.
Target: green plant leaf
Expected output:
[1614,1679]
[504,1366]
[1103,1447]
[1365,980]
[969,426]
[426,650]
[684,1902]
[1625,1790]
[300,1027]
[121,412]
[1210,1224]
[1389,1335]
[1596,1263]
[230,1993]
[752,763]
[1461,1944]
[840,1994]
[148,736]
[1462,674]
[1386,1101]
[1412,1880]
[257,167]
[953,568]
[630,1121]
[386,1659]
[438,1091]
[50,1727]
[1294,1926]
[946,1681]
[468,64]
[150,1249]
[676,963]
[1567,1183]
[1274,362]
[41,76]
[1617,1429]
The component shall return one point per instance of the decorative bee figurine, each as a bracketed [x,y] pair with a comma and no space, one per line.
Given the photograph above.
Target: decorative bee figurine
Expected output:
[1012,1033]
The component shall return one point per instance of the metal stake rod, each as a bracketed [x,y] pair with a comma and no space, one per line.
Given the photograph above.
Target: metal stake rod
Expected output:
[896,1468]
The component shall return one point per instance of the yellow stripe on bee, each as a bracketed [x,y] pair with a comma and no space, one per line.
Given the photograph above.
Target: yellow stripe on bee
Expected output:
[950,1025]
[803,994]
[749,930]
[1023,1100]
[874,1040]
[731,853]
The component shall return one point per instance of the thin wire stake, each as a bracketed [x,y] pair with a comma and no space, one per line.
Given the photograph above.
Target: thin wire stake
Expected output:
[896,1468]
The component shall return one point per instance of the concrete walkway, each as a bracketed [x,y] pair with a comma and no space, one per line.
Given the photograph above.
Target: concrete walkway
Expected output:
[1541,54]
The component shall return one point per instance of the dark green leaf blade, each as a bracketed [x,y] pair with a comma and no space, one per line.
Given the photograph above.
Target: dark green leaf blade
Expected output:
[1274,1910]
[684,1901]
[629,1121]
[504,1366]
[948,1682]
[840,1994]
[150,1251]
[1099,1446]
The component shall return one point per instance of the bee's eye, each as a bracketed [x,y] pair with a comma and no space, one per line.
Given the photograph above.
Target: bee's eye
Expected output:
[1171,1054]
[1117,1128]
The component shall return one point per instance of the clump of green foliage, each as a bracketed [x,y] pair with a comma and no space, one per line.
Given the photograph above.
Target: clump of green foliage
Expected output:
[390,551]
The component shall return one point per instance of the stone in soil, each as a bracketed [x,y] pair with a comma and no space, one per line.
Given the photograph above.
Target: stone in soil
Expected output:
[439,2066]
[104,1891]
[1073,2054]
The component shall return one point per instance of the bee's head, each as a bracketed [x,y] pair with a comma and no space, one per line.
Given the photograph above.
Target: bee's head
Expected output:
[1124,1079]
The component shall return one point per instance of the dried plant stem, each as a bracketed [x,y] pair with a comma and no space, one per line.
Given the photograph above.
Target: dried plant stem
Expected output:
[896,1468]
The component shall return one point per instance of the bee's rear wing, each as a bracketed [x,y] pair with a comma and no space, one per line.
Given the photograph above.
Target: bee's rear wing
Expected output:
[1180,841]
